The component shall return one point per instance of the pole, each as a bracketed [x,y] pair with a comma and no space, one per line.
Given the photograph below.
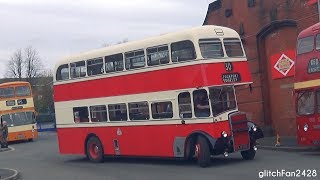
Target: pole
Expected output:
[319,9]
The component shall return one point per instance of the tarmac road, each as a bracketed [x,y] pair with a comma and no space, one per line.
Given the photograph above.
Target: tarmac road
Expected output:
[41,160]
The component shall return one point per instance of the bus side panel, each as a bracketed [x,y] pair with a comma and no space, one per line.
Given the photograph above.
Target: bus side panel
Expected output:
[144,140]
[312,136]
[71,140]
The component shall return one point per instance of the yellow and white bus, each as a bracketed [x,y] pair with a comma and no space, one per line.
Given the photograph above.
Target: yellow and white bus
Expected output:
[17,109]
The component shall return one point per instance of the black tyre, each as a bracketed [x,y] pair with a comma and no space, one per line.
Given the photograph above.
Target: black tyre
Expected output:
[248,154]
[94,150]
[30,140]
[202,152]
[190,149]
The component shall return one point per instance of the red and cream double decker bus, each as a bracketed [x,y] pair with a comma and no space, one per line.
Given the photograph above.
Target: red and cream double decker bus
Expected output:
[307,86]
[167,96]
[17,109]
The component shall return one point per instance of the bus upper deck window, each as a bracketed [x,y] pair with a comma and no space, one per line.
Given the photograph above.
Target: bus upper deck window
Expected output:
[114,63]
[6,92]
[78,69]
[63,72]
[135,59]
[233,47]
[95,66]
[211,48]
[305,45]
[182,51]
[158,55]
[23,91]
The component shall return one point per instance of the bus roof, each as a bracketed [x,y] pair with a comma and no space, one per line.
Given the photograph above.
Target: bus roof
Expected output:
[14,83]
[195,33]
[310,30]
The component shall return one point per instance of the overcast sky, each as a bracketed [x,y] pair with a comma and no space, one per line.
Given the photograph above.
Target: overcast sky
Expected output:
[57,28]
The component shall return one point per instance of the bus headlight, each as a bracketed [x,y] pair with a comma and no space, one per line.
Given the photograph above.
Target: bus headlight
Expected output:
[305,127]
[254,128]
[224,134]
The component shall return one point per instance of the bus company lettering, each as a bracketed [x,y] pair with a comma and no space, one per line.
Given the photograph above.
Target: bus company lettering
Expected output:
[314,65]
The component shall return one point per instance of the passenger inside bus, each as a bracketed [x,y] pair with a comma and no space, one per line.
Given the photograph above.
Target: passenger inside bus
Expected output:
[201,103]
[81,114]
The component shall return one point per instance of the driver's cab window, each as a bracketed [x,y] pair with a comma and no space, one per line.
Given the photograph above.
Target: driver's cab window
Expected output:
[306,102]
[201,103]
[185,108]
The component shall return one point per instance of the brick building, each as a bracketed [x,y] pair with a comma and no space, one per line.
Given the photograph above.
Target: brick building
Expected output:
[268,29]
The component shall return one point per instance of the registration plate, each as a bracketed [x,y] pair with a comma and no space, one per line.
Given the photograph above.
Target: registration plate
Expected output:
[20,136]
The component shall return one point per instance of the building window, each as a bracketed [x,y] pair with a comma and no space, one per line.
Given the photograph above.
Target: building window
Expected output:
[161,110]
[135,59]
[98,113]
[273,14]
[228,12]
[158,55]
[78,69]
[184,102]
[62,72]
[305,45]
[182,51]
[139,111]
[118,112]
[114,63]
[95,66]
[251,3]
[211,48]
[201,103]
[80,114]
[233,47]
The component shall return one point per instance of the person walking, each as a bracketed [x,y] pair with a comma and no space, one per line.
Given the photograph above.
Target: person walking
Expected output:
[3,134]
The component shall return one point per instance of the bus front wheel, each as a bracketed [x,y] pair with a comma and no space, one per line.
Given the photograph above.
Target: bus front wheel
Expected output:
[94,150]
[202,152]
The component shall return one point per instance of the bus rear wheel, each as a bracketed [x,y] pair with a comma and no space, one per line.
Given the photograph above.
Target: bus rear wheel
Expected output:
[202,152]
[94,150]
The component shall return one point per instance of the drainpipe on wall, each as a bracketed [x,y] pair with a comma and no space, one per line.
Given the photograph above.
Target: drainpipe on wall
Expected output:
[319,9]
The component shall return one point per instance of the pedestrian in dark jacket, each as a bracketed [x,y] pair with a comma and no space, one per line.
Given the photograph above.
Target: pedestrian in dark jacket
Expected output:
[3,134]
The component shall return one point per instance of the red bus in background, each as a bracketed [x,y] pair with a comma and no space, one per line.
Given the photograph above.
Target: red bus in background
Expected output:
[307,86]
[168,96]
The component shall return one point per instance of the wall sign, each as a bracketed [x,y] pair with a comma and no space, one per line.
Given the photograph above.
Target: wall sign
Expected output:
[282,64]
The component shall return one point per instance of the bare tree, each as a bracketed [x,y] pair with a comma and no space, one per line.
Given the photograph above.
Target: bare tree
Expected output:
[15,65]
[32,63]
[25,65]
